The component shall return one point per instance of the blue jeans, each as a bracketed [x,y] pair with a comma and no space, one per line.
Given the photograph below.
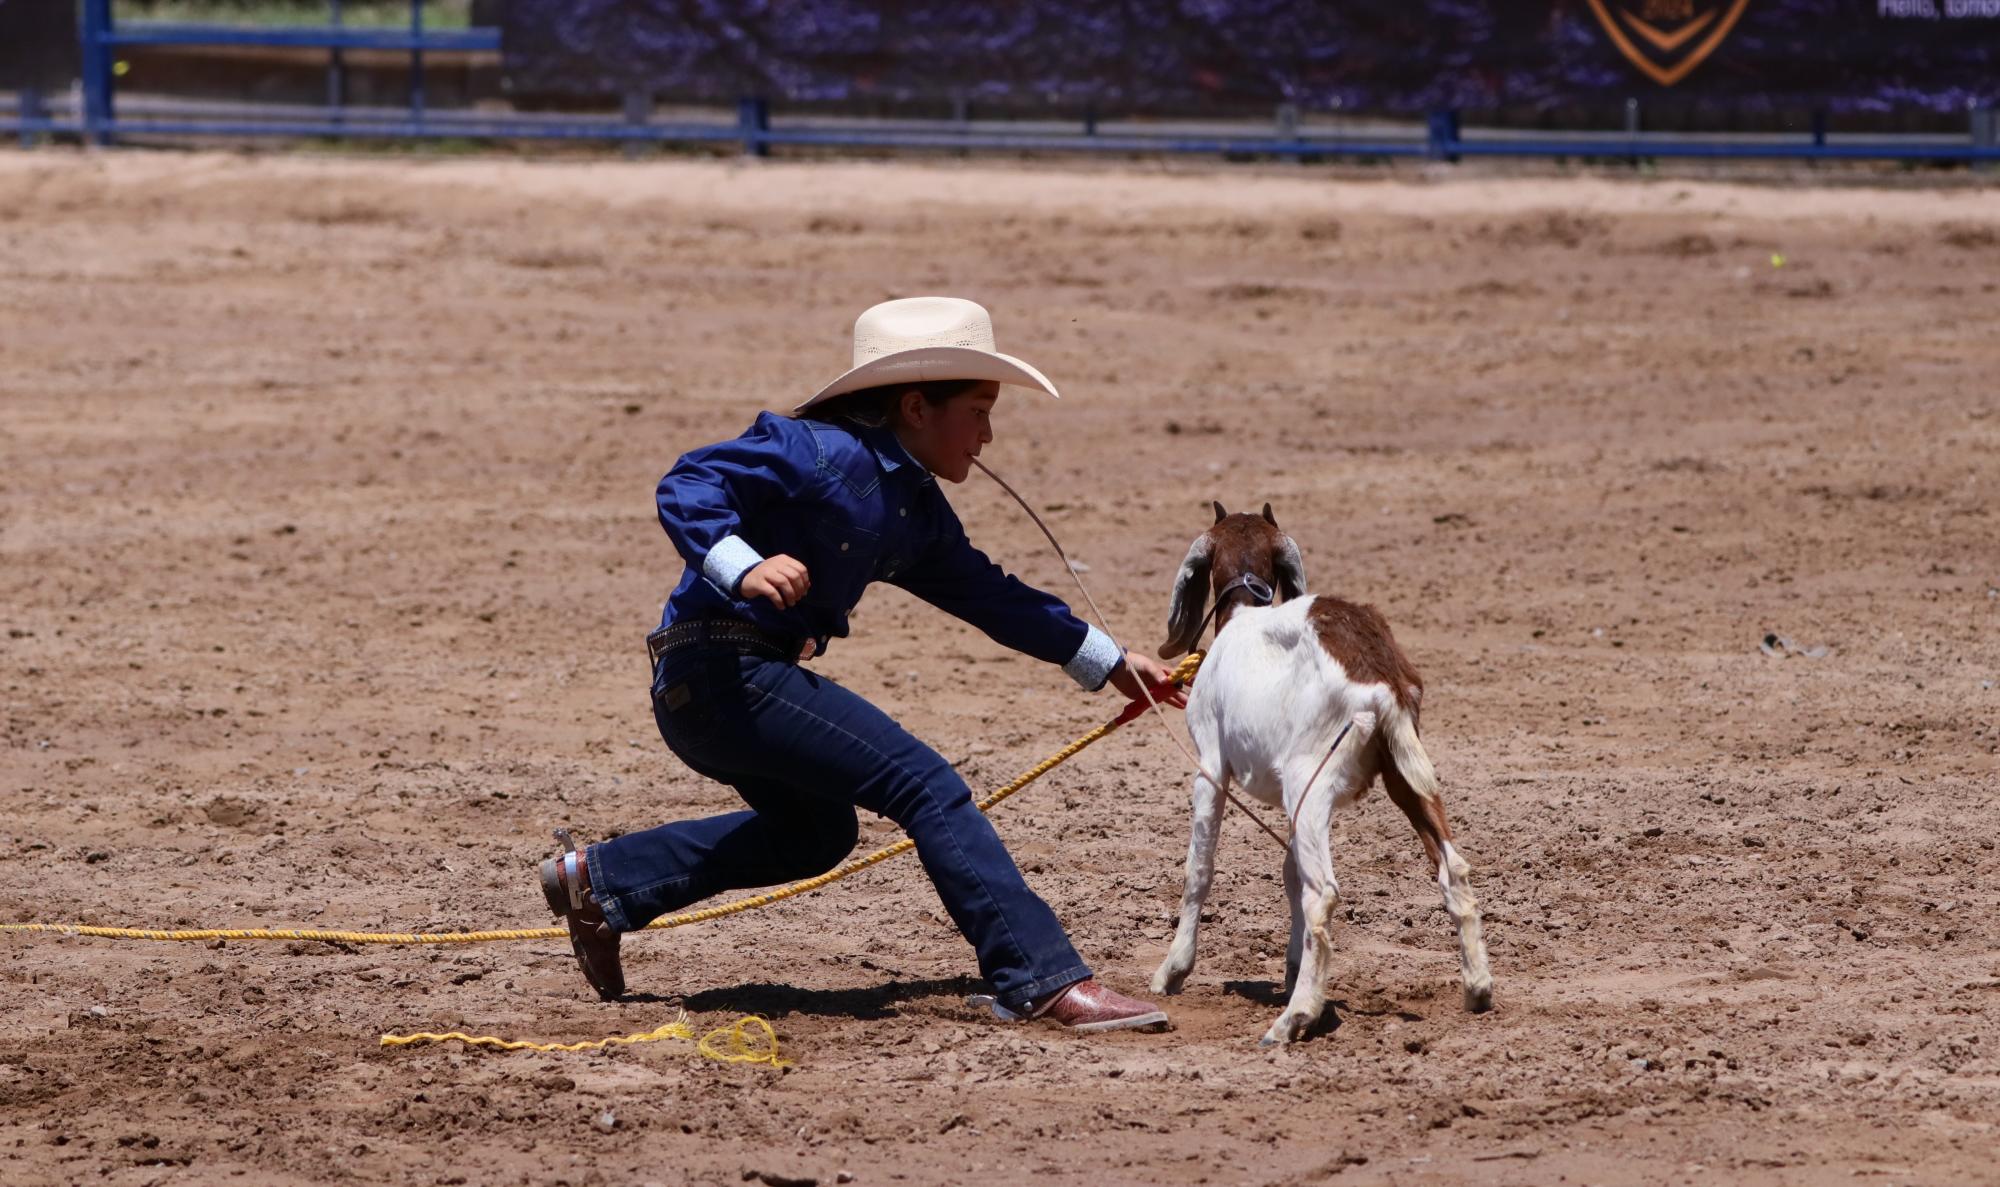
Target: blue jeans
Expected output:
[803,752]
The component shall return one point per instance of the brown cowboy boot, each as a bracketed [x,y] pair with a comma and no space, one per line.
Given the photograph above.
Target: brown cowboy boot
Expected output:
[566,884]
[1087,1007]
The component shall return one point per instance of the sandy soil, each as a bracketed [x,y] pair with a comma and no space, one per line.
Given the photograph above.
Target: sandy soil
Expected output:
[326,551]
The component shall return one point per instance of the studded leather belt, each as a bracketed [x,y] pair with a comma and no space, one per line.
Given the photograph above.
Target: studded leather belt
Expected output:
[730,634]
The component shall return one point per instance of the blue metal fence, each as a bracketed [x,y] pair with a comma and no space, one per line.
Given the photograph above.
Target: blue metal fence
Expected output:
[99,121]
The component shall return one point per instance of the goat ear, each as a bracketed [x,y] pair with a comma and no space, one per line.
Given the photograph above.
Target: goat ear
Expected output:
[1219,512]
[1291,567]
[1268,517]
[1190,601]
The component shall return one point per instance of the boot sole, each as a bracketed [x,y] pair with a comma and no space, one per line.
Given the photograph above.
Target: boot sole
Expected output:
[1157,1020]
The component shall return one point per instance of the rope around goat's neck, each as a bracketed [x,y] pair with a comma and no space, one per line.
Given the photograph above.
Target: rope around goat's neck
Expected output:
[1156,711]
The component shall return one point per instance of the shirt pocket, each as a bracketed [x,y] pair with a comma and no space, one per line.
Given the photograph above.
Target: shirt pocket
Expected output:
[844,560]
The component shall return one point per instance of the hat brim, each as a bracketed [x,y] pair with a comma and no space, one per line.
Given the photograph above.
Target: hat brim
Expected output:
[927,363]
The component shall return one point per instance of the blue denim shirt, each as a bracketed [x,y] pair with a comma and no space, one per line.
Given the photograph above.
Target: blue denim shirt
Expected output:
[851,505]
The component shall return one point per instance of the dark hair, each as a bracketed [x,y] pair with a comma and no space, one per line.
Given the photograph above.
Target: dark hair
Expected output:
[875,407]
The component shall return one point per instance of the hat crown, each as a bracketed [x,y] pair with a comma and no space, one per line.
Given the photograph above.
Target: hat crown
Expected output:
[914,323]
[925,340]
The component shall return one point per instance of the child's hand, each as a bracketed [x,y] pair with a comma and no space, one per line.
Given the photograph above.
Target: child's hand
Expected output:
[781,579]
[1126,678]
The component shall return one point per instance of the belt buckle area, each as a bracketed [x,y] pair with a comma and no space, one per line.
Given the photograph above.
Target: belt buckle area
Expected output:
[658,643]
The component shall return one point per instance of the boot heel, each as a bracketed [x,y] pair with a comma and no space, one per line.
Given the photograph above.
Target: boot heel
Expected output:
[565,880]
[552,888]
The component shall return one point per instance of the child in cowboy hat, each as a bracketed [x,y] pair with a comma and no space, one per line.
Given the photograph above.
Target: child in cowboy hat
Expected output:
[782,529]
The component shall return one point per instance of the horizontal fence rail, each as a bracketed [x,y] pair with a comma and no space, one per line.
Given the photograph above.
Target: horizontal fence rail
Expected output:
[100,118]
[154,33]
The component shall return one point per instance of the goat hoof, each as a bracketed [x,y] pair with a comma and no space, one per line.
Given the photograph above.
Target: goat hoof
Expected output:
[1479,1000]
[1286,1029]
[1169,982]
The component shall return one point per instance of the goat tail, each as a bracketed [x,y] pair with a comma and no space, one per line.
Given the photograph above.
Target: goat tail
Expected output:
[1407,753]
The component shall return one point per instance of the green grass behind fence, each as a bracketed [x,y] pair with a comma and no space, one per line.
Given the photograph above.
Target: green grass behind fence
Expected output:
[438,14]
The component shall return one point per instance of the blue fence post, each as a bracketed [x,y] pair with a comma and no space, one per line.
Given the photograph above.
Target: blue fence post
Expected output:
[1442,136]
[638,107]
[417,62]
[1287,132]
[95,18]
[336,66]
[753,118]
[33,114]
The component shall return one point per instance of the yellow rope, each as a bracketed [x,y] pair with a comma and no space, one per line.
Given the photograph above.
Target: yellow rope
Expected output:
[729,1044]
[1183,675]
[677,1029]
[726,1044]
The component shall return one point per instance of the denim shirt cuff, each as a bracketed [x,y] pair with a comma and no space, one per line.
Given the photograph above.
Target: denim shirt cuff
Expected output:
[1092,664]
[726,563]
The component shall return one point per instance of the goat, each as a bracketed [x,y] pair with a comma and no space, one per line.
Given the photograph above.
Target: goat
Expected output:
[1302,700]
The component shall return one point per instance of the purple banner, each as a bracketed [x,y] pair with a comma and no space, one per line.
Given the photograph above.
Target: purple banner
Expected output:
[1247,55]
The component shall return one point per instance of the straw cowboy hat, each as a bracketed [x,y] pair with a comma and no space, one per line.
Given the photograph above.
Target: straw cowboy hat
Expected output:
[918,339]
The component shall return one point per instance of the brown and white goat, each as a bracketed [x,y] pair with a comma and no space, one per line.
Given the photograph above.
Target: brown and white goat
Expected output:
[1288,671]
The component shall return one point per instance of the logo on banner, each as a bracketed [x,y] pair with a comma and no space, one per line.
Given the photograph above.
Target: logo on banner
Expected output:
[1667,39]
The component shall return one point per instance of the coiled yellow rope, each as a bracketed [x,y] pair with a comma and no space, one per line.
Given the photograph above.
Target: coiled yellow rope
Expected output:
[732,1044]
[1183,674]
[736,1043]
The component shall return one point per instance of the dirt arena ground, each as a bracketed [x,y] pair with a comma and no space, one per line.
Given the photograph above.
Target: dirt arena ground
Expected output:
[327,547]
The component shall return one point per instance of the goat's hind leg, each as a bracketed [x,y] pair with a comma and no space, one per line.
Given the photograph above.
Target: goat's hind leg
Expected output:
[1207,820]
[1312,919]
[1311,861]
[1295,901]
[1413,785]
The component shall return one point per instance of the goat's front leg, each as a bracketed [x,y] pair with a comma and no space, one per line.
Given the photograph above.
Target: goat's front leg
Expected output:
[1200,875]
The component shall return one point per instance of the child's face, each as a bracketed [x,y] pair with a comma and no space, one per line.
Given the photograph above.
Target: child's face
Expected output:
[946,437]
